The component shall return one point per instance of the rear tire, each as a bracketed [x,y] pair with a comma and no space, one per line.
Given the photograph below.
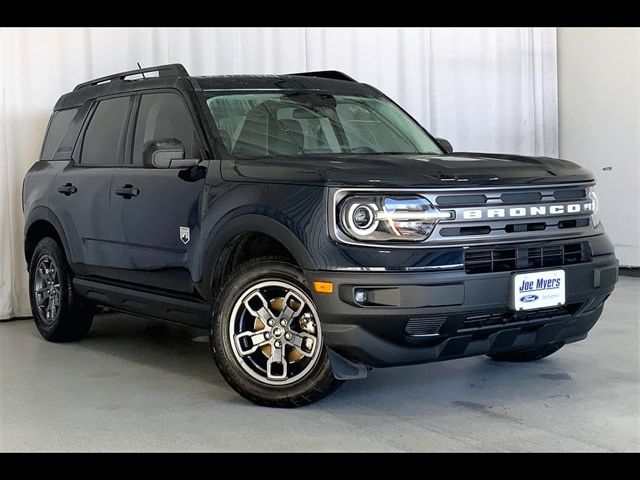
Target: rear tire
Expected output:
[528,355]
[254,346]
[59,314]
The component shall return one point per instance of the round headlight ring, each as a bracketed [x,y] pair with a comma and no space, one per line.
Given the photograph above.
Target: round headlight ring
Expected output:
[361,218]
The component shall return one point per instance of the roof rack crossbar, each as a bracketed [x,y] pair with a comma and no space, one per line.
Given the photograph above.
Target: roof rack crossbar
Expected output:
[171,70]
[331,74]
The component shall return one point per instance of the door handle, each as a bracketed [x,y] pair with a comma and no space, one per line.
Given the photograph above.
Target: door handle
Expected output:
[127,191]
[67,189]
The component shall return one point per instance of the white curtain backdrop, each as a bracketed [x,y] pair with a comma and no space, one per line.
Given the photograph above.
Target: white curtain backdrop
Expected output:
[483,89]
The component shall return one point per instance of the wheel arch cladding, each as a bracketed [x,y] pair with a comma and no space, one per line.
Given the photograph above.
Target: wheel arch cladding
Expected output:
[230,236]
[41,223]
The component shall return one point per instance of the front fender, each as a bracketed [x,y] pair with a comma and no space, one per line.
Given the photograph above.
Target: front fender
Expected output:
[252,223]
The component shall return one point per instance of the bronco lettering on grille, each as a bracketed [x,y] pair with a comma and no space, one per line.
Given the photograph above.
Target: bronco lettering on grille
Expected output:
[532,211]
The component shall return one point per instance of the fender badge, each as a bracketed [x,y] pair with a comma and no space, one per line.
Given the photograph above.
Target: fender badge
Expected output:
[185,234]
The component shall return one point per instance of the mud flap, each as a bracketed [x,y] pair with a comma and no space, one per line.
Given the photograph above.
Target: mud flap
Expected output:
[344,369]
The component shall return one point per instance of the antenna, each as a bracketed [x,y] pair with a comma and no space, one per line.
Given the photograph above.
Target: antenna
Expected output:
[140,68]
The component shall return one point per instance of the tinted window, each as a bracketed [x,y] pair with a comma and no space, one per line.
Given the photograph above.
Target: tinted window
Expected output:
[106,133]
[58,126]
[162,116]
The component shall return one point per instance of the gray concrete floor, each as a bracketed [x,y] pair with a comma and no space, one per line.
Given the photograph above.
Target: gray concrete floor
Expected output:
[141,385]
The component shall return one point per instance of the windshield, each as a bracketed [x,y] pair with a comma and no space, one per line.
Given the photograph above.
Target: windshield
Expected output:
[258,124]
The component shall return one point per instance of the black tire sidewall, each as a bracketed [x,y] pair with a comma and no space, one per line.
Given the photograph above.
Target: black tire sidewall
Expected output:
[48,247]
[314,385]
[73,319]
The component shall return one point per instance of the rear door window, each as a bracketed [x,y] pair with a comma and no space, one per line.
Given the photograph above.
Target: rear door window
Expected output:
[58,127]
[106,134]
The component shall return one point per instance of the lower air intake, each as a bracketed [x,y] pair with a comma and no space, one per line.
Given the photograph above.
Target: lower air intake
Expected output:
[424,326]
[526,257]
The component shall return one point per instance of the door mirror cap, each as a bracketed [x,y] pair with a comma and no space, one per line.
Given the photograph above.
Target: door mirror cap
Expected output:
[445,145]
[166,153]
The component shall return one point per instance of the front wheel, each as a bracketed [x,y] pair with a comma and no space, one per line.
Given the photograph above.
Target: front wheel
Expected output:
[267,338]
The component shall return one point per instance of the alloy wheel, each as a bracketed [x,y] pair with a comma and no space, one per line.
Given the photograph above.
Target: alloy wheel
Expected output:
[46,289]
[275,333]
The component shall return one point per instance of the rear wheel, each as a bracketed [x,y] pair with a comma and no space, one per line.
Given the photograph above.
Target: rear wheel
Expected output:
[528,355]
[59,314]
[267,337]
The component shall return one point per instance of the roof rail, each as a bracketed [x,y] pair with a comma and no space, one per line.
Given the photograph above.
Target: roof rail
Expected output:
[332,74]
[171,70]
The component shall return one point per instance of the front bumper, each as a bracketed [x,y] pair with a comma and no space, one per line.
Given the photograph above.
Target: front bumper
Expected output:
[432,316]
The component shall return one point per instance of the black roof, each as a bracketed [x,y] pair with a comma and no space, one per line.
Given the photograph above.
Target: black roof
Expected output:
[176,76]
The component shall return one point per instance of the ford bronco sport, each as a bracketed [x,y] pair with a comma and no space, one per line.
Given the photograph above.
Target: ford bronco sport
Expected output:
[309,224]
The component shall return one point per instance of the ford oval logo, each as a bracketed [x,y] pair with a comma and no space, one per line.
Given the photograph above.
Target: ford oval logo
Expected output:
[529,298]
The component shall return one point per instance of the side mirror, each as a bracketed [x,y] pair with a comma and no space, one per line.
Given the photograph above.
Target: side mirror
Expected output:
[445,145]
[166,153]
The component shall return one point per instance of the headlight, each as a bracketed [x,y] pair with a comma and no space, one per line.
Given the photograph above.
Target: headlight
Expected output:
[389,217]
[595,206]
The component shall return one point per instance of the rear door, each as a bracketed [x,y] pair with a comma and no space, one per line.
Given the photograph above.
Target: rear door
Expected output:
[80,195]
[157,226]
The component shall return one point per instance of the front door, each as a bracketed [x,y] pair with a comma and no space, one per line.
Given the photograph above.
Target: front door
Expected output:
[155,215]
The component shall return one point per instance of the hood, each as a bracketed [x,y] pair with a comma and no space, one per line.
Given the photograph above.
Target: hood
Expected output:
[452,170]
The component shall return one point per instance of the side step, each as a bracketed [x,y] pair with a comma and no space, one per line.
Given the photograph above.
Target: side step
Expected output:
[188,312]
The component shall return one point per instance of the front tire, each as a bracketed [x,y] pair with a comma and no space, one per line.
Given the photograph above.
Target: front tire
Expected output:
[267,339]
[59,314]
[528,355]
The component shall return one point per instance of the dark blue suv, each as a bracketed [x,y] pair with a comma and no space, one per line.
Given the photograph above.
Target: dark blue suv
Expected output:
[309,224]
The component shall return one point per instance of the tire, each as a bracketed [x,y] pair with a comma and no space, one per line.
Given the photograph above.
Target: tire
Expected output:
[238,327]
[529,355]
[59,314]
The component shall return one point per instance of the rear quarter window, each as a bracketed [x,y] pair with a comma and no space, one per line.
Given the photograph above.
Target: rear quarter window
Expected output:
[56,142]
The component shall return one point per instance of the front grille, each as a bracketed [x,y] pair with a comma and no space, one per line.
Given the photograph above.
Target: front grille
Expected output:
[500,215]
[498,259]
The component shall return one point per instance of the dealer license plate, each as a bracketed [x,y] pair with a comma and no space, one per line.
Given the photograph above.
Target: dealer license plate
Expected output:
[535,290]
